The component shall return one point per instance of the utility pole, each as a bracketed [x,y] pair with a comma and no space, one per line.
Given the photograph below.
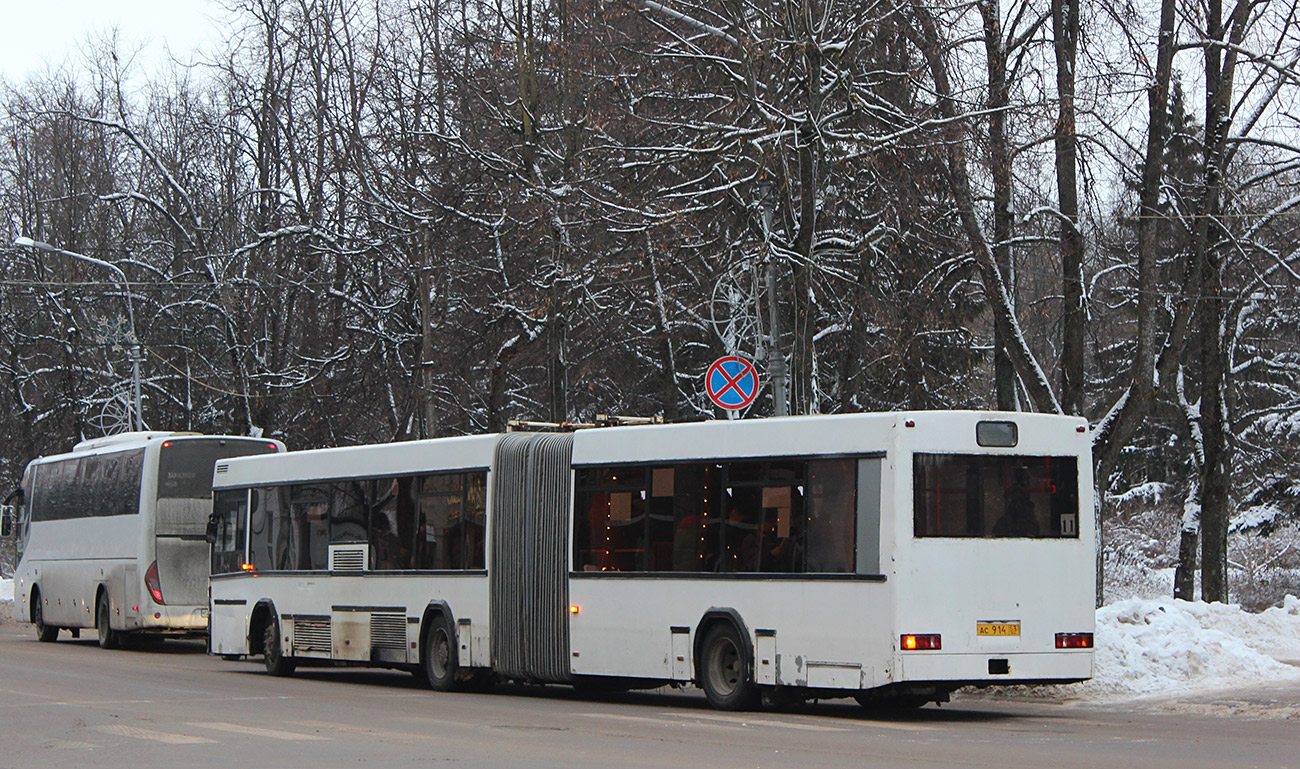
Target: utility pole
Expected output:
[777,368]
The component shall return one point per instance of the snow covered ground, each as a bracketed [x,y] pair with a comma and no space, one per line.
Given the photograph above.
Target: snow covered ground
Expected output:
[1159,646]
[1148,647]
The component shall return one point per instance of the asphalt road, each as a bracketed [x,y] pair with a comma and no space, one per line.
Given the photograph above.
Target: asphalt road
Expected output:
[71,703]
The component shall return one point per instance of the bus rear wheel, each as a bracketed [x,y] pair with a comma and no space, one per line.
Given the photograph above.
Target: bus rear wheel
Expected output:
[108,637]
[277,664]
[441,661]
[724,673]
[44,633]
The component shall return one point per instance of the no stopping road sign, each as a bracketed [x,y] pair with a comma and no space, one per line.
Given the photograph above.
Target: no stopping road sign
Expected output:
[731,382]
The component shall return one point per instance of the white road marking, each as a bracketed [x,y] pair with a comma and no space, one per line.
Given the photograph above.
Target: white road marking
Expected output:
[254,731]
[661,721]
[792,723]
[72,745]
[326,726]
[122,730]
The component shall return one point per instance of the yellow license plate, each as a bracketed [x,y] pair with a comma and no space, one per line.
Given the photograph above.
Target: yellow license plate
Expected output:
[997,628]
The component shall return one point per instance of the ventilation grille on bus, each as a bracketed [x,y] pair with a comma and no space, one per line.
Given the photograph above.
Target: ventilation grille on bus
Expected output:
[348,557]
[222,469]
[388,631]
[312,634]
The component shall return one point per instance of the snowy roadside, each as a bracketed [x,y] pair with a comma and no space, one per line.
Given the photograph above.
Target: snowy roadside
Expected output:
[1153,647]
[1148,647]
[6,602]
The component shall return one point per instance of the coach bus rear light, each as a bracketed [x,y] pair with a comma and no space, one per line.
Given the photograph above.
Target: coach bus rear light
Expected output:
[247,566]
[912,642]
[152,584]
[1074,640]
[575,609]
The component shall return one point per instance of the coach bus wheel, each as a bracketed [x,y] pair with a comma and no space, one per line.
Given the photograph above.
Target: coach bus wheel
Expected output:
[44,633]
[273,653]
[725,670]
[440,655]
[108,638]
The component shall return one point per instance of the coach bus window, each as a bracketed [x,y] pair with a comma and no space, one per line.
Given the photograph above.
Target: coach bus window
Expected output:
[309,527]
[1002,497]
[97,485]
[229,511]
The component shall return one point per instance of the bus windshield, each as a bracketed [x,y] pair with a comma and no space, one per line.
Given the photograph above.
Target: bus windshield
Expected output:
[1000,497]
[185,479]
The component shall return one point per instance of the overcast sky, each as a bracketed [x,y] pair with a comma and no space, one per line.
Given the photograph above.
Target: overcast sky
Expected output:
[38,32]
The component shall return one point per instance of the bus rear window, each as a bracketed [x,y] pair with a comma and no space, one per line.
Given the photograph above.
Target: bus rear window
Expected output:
[185,466]
[999,497]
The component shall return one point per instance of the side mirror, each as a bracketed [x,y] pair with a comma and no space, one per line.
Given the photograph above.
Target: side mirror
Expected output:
[213,522]
[8,516]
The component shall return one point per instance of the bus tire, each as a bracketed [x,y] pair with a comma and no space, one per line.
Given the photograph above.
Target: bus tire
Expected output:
[439,655]
[725,672]
[277,664]
[108,637]
[44,633]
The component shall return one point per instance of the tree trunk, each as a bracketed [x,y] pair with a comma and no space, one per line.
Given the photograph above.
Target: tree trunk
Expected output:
[1004,373]
[1065,26]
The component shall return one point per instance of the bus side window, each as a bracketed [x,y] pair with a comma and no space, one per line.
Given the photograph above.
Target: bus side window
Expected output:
[831,535]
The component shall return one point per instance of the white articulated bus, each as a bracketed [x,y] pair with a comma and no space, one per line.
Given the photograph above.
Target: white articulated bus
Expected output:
[111,535]
[890,557]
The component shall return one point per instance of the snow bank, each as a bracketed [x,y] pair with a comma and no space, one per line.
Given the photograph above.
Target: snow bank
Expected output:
[1149,646]
[1160,646]
[6,590]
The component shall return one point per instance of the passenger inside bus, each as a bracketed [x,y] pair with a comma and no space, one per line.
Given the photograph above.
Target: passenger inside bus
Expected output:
[1019,520]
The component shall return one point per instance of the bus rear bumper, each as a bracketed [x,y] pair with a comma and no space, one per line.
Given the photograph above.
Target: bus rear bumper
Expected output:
[173,620]
[993,668]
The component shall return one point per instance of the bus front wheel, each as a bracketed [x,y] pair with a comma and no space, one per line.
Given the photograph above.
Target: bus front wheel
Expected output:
[441,660]
[44,633]
[277,664]
[108,637]
[724,673]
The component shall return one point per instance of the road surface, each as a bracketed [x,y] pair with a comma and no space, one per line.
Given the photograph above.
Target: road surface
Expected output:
[71,703]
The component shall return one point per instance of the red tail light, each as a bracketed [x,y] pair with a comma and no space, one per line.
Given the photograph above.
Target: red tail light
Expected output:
[1074,640]
[912,642]
[154,586]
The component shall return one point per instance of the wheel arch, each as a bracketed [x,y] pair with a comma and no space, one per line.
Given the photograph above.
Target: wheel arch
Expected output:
[102,591]
[263,612]
[434,610]
[34,597]
[717,616]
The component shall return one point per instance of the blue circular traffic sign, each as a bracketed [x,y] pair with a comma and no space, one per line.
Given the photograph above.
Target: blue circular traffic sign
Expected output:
[731,382]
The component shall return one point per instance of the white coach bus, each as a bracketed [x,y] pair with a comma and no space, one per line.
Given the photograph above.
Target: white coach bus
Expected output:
[111,535]
[889,557]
